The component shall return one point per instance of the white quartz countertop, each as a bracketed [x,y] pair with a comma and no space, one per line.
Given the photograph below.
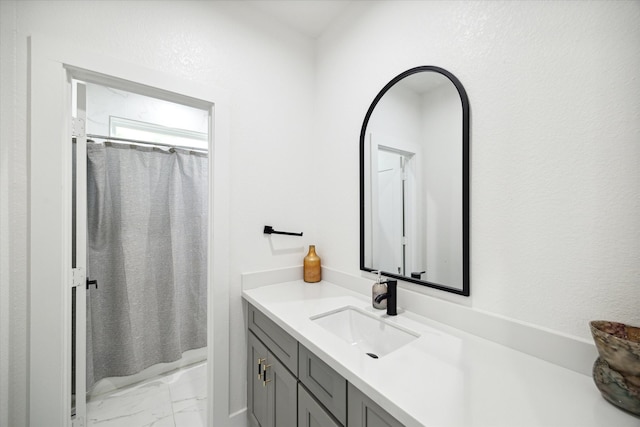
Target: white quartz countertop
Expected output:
[446,377]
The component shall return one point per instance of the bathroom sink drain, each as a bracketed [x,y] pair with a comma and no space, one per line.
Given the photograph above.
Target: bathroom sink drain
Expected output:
[375,356]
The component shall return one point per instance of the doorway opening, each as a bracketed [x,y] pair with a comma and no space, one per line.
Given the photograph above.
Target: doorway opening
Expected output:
[140,343]
[394,205]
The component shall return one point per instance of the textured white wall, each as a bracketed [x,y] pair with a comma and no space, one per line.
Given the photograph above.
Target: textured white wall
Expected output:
[555,145]
[268,73]
[13,225]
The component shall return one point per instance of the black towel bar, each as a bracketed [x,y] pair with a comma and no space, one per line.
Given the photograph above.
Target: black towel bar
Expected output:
[269,230]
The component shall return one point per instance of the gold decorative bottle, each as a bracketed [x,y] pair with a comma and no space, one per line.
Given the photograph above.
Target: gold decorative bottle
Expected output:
[312,271]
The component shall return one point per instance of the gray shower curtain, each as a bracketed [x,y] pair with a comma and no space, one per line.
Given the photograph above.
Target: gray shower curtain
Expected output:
[147,238]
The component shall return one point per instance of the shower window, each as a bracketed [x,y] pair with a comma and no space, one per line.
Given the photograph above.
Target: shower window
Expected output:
[143,131]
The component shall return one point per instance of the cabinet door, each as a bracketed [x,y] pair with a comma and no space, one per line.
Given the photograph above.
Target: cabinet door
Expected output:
[326,385]
[257,402]
[282,394]
[310,413]
[271,388]
[364,412]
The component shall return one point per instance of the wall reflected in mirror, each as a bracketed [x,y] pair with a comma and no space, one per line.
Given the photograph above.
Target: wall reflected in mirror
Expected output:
[414,181]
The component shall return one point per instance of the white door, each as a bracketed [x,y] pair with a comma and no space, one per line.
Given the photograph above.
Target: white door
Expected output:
[79,260]
[390,212]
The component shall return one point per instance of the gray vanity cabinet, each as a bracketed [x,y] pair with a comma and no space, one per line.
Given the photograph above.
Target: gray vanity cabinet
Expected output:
[289,386]
[272,373]
[364,412]
[272,389]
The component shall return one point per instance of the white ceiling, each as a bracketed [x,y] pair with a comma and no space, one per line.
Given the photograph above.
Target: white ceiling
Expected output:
[309,17]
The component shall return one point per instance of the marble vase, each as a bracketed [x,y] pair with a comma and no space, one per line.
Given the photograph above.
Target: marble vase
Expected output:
[616,372]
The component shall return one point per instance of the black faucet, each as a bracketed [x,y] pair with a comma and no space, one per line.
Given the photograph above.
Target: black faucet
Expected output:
[391,297]
[417,274]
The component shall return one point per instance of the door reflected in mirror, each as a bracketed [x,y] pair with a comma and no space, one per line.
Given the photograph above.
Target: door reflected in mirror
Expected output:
[414,181]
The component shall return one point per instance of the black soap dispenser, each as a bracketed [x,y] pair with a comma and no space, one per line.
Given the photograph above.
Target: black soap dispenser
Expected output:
[379,288]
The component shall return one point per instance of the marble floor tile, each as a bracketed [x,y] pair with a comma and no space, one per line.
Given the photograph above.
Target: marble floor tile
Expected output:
[190,413]
[139,406]
[190,383]
[175,399]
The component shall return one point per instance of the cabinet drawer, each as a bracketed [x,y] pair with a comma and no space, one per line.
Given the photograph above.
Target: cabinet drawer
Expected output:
[280,343]
[324,383]
[311,413]
[364,412]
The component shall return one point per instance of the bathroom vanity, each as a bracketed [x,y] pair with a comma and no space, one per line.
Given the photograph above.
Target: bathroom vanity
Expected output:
[289,385]
[441,376]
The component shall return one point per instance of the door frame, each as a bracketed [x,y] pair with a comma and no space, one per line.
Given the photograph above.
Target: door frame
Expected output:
[397,206]
[79,243]
[52,63]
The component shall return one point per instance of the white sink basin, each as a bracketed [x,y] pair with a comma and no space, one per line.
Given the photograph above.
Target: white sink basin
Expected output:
[372,334]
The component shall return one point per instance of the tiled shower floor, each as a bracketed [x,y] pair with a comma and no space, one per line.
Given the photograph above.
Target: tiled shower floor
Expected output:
[177,399]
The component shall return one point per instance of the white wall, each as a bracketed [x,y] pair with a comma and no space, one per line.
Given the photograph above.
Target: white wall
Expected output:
[13,213]
[11,380]
[442,135]
[555,153]
[267,72]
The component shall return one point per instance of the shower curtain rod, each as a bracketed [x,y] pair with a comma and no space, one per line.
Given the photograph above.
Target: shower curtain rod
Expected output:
[136,141]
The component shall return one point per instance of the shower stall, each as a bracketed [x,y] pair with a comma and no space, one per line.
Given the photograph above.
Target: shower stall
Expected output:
[146,254]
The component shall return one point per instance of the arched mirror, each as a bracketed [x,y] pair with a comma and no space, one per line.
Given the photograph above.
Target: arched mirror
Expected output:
[414,181]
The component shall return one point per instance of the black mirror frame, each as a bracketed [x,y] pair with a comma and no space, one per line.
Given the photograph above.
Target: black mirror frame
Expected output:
[465,180]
